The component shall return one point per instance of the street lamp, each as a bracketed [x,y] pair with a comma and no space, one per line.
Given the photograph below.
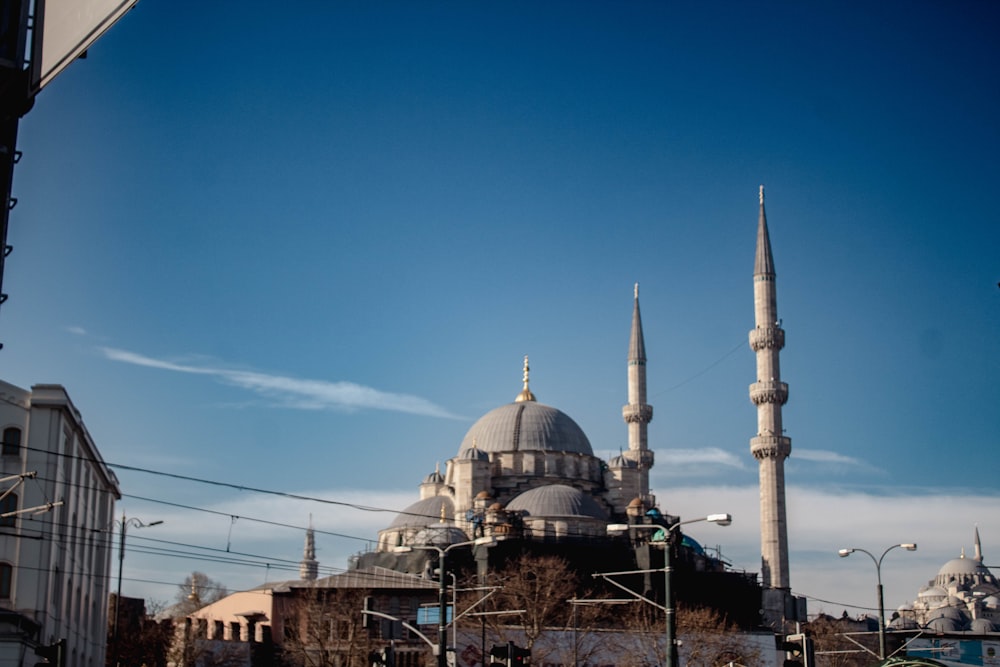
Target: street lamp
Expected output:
[668,573]
[844,553]
[123,525]
[442,657]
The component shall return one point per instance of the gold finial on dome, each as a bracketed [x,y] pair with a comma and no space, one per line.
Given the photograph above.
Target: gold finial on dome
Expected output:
[525,394]
[444,514]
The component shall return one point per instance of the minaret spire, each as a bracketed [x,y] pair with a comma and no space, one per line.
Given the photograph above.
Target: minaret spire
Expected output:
[979,547]
[770,446]
[309,567]
[637,414]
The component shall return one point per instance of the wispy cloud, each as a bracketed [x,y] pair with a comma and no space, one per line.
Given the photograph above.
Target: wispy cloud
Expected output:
[712,455]
[79,331]
[832,462]
[297,393]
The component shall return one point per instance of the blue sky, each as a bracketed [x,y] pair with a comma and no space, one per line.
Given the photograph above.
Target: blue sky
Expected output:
[305,251]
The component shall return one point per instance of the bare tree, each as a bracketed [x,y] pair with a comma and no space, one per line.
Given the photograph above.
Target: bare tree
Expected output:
[323,627]
[709,639]
[197,591]
[834,649]
[540,586]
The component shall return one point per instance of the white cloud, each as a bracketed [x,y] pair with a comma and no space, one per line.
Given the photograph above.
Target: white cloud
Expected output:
[289,392]
[79,331]
[820,522]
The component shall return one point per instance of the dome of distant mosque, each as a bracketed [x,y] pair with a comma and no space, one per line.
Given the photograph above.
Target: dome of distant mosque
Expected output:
[961,566]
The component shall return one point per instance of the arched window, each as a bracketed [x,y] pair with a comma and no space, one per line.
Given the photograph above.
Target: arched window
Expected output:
[11,441]
[6,572]
[8,504]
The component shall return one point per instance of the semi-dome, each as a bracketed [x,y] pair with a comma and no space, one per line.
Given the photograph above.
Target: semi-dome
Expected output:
[424,512]
[557,500]
[524,426]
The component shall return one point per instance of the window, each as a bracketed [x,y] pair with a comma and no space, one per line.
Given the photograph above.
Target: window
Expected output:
[8,504]
[11,441]
[6,571]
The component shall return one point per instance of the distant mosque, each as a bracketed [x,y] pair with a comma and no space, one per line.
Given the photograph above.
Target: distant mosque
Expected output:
[964,596]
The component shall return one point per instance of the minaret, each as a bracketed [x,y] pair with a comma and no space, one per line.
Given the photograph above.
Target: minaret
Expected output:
[979,548]
[637,413]
[770,446]
[309,567]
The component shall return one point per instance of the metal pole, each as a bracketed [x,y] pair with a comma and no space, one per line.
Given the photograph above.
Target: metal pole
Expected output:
[118,596]
[442,611]
[668,602]
[881,615]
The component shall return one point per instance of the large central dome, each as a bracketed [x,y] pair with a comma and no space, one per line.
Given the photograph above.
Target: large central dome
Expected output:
[526,425]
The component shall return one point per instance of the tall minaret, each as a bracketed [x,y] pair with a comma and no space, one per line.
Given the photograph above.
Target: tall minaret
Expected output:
[309,567]
[637,413]
[770,446]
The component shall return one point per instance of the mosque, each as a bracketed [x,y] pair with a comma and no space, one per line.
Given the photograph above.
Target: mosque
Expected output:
[526,473]
[964,596]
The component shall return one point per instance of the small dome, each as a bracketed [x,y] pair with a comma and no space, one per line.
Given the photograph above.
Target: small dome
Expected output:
[495,507]
[555,500]
[473,454]
[441,534]
[483,495]
[434,478]
[951,613]
[992,602]
[903,623]
[635,502]
[982,625]
[933,592]
[620,461]
[424,512]
[691,543]
[526,426]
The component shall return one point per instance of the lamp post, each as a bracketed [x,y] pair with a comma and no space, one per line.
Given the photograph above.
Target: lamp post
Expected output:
[442,649]
[671,659]
[844,553]
[123,525]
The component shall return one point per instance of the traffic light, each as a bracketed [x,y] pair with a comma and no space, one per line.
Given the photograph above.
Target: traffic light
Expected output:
[54,654]
[510,655]
[798,651]
[499,651]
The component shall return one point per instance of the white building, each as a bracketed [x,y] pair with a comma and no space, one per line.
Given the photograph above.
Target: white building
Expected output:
[56,529]
[964,596]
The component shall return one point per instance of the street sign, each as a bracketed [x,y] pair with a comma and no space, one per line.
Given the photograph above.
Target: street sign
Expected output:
[431,615]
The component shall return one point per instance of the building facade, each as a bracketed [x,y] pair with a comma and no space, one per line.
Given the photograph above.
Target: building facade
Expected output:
[56,529]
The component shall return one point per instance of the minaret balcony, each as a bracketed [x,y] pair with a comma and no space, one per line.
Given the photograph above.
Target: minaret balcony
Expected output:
[770,447]
[637,412]
[767,338]
[769,392]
